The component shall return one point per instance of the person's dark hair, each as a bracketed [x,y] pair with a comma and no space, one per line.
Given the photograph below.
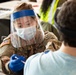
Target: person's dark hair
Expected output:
[45,5]
[66,18]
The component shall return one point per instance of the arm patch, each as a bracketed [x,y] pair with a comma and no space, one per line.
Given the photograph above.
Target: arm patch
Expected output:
[5,42]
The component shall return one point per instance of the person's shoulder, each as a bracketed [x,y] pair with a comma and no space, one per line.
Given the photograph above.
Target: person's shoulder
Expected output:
[37,57]
[50,35]
[32,57]
[51,41]
[6,41]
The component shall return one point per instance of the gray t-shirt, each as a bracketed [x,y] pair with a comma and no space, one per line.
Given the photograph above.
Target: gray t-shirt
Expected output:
[50,63]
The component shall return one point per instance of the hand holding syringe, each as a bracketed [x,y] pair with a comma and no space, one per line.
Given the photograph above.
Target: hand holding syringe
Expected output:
[16,62]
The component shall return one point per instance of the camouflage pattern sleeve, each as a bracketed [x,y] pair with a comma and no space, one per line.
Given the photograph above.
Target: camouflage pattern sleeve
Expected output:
[51,41]
[6,50]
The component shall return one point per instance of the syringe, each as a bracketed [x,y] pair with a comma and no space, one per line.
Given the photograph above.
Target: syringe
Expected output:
[21,60]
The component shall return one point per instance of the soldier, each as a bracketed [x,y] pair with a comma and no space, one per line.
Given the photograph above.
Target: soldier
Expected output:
[26,38]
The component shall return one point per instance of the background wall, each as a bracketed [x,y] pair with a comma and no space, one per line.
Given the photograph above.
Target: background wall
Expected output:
[4,28]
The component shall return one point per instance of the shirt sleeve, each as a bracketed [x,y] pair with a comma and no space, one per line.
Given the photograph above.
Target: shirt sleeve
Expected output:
[34,64]
[28,65]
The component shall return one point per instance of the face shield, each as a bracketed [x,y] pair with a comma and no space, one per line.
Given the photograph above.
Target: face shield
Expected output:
[25,28]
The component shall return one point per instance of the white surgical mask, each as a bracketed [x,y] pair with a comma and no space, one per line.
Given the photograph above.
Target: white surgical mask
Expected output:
[26,33]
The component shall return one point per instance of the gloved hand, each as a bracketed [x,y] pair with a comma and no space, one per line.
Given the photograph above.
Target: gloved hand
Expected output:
[16,62]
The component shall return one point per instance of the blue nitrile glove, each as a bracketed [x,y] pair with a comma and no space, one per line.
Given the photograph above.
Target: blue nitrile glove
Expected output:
[16,62]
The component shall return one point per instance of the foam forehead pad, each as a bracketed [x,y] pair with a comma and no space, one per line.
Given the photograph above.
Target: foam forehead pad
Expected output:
[22,13]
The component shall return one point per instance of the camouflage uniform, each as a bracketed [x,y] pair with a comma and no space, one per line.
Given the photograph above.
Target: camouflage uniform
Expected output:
[49,27]
[6,49]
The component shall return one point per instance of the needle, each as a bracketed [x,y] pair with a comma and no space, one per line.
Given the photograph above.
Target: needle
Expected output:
[21,60]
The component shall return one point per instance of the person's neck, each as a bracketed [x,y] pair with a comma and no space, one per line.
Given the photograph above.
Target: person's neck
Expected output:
[67,49]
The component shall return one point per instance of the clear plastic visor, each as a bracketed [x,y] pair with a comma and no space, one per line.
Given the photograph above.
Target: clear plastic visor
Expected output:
[25,29]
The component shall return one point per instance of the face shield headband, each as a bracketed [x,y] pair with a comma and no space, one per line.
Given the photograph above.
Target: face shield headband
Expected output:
[66,31]
[22,13]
